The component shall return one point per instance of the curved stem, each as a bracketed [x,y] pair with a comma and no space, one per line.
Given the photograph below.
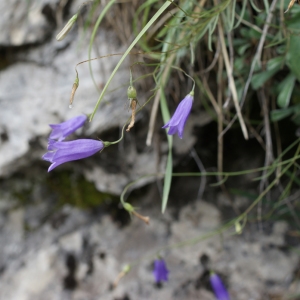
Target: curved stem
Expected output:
[148,25]
[100,18]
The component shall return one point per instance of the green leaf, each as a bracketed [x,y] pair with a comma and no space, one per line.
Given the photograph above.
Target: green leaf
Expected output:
[169,168]
[241,50]
[279,114]
[286,88]
[273,66]
[275,63]
[293,55]
[258,80]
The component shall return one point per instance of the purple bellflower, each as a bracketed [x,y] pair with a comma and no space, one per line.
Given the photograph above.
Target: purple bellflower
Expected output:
[61,152]
[160,271]
[62,130]
[218,287]
[177,122]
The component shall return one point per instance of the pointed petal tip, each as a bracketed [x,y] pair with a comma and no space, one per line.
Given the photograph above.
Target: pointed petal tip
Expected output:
[54,165]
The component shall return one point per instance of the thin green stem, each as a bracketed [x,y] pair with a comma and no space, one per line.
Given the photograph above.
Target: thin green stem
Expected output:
[120,139]
[179,69]
[229,224]
[227,174]
[100,18]
[148,25]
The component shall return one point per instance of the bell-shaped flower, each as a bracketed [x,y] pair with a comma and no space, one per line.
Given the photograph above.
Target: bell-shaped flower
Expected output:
[218,287]
[177,122]
[160,272]
[62,130]
[61,152]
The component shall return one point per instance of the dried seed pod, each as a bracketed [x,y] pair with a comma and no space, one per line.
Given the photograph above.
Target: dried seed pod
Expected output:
[131,93]
[74,88]
[291,4]
[133,103]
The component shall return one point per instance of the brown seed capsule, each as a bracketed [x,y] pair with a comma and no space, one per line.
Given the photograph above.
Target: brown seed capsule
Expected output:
[133,103]
[291,4]
[125,270]
[74,88]
[131,211]
[141,217]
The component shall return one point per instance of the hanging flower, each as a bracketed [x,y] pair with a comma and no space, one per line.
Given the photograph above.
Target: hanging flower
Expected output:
[160,271]
[62,130]
[61,152]
[177,122]
[218,287]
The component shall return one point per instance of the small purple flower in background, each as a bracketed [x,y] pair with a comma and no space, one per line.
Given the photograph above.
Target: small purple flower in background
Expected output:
[62,130]
[160,271]
[218,287]
[61,152]
[177,122]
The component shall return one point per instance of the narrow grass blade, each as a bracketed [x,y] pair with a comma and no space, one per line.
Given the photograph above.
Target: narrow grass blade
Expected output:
[169,167]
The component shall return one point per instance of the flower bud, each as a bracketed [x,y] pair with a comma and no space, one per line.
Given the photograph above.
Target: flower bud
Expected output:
[238,227]
[131,92]
[67,28]
[128,207]
[177,122]
[160,272]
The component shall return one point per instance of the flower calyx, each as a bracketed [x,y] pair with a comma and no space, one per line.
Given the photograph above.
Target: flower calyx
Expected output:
[132,211]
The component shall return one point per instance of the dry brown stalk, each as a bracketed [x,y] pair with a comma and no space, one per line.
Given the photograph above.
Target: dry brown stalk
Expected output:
[133,103]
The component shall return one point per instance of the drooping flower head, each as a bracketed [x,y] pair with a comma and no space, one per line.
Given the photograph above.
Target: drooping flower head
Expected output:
[177,122]
[218,287]
[62,130]
[160,271]
[61,152]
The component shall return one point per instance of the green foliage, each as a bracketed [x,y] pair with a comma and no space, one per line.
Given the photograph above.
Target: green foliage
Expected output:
[169,167]
[244,58]
[285,91]
[242,55]
[273,66]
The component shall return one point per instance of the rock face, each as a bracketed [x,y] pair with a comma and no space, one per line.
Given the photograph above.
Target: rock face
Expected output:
[55,252]
[78,255]
[35,92]
[23,22]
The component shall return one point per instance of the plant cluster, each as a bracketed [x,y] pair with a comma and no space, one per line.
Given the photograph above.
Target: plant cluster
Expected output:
[229,56]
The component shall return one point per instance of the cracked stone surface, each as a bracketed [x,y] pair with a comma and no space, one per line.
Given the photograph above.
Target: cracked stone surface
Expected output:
[35,92]
[51,252]
[80,256]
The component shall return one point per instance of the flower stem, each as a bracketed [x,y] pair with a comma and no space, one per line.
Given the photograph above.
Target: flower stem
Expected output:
[147,26]
[103,13]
